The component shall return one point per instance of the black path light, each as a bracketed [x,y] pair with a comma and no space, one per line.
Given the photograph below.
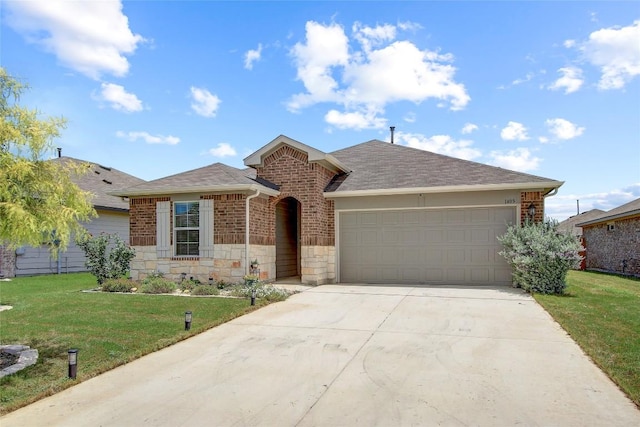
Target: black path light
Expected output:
[187,320]
[253,295]
[73,363]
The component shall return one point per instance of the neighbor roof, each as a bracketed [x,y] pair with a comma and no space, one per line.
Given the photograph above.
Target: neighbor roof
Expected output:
[216,177]
[628,209]
[382,168]
[101,181]
[569,224]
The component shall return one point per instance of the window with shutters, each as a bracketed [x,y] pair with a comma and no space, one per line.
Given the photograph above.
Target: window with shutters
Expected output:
[186,228]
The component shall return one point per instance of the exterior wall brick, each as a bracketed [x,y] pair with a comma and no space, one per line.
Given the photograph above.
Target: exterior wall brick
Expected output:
[228,218]
[616,250]
[7,262]
[290,169]
[528,197]
[142,220]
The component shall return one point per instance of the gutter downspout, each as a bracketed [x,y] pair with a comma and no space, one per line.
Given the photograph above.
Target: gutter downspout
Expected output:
[246,231]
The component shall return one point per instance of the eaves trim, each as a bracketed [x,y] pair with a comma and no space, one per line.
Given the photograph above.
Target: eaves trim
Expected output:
[204,189]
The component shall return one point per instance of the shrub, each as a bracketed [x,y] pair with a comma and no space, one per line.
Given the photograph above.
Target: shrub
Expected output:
[108,257]
[157,285]
[205,290]
[267,292]
[118,285]
[540,256]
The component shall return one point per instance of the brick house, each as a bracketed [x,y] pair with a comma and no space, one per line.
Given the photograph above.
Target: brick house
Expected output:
[374,212]
[612,240]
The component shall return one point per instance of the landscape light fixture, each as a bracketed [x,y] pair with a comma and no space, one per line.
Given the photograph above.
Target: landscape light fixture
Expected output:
[531,210]
[253,295]
[73,363]
[183,276]
[210,281]
[187,320]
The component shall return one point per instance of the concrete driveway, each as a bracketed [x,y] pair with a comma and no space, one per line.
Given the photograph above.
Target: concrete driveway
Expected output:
[341,355]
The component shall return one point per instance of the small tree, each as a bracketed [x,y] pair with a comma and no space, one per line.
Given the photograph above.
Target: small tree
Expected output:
[108,257]
[540,256]
[38,201]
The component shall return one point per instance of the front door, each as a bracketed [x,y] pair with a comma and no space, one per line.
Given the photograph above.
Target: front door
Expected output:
[287,238]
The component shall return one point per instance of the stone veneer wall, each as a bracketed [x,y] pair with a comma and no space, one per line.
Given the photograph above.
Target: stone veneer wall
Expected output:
[228,264]
[528,197]
[318,265]
[616,250]
[7,262]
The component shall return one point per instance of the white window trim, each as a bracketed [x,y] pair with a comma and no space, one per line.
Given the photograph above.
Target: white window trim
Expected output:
[175,228]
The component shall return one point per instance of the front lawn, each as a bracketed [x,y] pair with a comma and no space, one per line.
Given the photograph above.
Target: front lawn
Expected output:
[601,312]
[52,315]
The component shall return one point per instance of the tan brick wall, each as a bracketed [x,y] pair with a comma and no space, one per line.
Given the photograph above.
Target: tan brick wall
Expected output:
[304,181]
[7,262]
[528,197]
[262,221]
[616,250]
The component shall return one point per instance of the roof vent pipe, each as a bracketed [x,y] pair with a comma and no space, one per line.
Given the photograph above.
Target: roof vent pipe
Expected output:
[59,152]
[392,129]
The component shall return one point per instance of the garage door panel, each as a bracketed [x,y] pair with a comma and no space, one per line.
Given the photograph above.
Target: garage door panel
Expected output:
[439,246]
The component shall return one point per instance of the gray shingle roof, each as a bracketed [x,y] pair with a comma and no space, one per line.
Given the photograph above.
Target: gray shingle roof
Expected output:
[569,224]
[100,181]
[628,209]
[381,165]
[217,175]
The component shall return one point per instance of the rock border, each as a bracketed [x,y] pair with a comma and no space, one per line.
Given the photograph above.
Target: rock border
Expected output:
[28,357]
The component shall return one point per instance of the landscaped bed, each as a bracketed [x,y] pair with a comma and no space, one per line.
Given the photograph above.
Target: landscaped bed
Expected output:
[601,312]
[52,314]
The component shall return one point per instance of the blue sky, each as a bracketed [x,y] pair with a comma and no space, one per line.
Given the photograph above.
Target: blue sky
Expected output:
[159,87]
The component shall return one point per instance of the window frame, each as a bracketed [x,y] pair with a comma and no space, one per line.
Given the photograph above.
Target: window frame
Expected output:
[187,228]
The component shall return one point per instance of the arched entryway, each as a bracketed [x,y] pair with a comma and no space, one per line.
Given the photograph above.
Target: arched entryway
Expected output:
[287,238]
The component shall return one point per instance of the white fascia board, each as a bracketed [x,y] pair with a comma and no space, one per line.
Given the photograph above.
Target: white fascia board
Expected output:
[532,186]
[205,189]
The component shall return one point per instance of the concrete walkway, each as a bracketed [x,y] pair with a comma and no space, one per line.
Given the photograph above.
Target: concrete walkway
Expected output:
[341,355]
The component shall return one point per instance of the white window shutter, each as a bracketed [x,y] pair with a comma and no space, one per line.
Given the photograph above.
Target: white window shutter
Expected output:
[163,229]
[206,228]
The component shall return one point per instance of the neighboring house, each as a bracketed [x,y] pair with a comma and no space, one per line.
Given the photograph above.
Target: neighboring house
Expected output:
[113,217]
[569,224]
[612,240]
[373,213]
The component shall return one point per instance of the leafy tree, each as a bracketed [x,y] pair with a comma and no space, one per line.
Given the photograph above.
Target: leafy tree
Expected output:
[540,256]
[108,257]
[38,201]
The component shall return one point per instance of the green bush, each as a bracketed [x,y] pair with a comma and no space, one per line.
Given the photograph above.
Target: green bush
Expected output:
[118,285]
[540,256]
[157,285]
[267,292]
[205,290]
[108,257]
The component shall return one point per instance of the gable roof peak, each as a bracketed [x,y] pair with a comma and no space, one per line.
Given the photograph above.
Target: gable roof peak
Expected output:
[313,154]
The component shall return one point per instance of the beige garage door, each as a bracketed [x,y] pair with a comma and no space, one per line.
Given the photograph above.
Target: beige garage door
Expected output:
[435,246]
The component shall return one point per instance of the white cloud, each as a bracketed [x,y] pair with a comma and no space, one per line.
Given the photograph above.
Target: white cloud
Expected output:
[223,150]
[148,138]
[442,144]
[204,103]
[562,207]
[519,159]
[514,131]
[569,43]
[616,51]
[468,128]
[527,78]
[543,139]
[409,26]
[571,80]
[119,98]
[364,80]
[563,129]
[91,37]
[356,120]
[410,117]
[252,55]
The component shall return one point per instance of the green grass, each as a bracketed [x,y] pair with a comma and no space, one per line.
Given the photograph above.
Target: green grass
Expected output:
[601,312]
[52,315]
